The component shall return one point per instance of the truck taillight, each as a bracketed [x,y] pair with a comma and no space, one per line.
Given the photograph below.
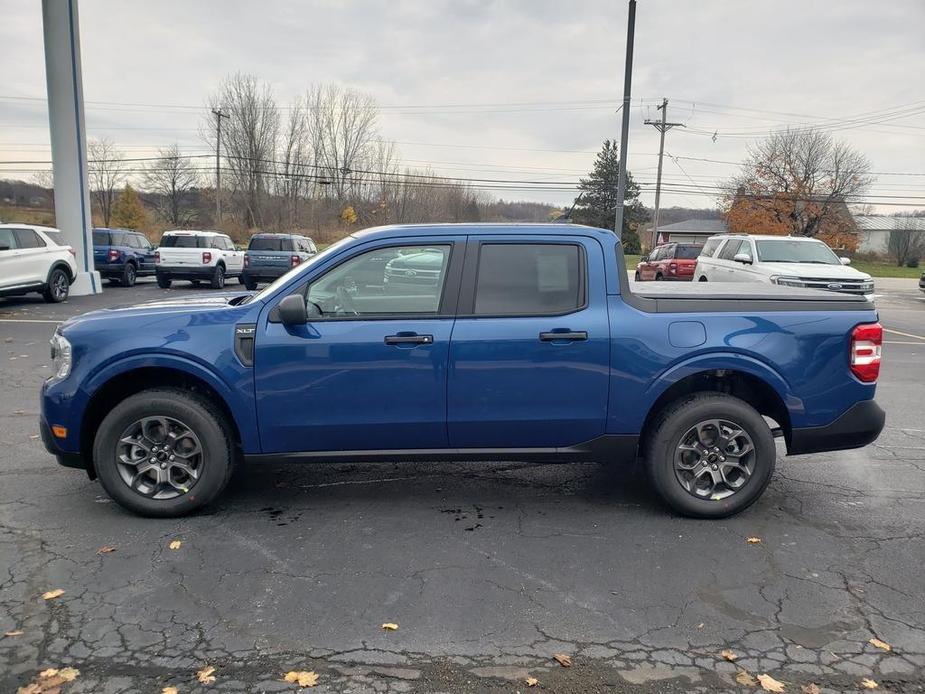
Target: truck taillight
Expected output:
[157,257]
[206,257]
[866,341]
[247,261]
[113,255]
[294,260]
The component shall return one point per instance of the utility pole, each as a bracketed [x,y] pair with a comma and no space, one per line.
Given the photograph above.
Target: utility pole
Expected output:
[662,126]
[218,164]
[625,132]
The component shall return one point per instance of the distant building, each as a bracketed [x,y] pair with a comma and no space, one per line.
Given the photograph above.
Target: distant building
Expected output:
[874,231]
[691,230]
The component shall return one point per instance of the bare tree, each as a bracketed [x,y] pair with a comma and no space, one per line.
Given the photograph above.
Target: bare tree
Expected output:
[906,242]
[798,182]
[106,170]
[343,129]
[291,180]
[248,140]
[171,177]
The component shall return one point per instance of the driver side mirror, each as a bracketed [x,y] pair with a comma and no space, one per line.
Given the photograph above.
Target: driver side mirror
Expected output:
[742,258]
[292,310]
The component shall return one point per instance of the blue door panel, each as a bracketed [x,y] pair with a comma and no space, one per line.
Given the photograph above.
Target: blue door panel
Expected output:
[509,389]
[336,385]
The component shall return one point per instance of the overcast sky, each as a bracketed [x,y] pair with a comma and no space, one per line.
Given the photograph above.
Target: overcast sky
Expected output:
[520,90]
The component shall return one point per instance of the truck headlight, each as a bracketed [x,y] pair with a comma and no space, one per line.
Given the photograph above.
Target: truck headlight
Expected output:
[60,357]
[787,281]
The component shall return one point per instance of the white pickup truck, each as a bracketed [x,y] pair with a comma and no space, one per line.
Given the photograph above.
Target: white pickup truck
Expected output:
[198,256]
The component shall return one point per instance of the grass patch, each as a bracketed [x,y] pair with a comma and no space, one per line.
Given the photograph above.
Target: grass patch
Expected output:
[879,269]
[631,262]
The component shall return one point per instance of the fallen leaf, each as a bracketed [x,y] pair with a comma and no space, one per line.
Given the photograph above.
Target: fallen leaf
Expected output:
[170,690]
[49,681]
[205,675]
[769,684]
[531,681]
[106,549]
[50,672]
[390,626]
[811,688]
[563,659]
[753,540]
[868,683]
[13,633]
[302,678]
[176,544]
[877,643]
[729,655]
[745,679]
[52,594]
[700,626]
[33,436]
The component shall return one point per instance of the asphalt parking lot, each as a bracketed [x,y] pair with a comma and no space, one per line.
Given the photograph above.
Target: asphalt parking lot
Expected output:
[489,570]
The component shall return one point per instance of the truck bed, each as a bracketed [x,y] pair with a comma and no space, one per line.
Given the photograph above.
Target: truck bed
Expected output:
[677,297]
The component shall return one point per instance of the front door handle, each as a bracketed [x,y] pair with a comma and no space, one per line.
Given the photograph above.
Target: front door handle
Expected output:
[572,335]
[412,339]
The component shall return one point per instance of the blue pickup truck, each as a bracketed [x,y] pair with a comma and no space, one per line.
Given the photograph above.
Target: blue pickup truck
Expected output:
[122,255]
[526,344]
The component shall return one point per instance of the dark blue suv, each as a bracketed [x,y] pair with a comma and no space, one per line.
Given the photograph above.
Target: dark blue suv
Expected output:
[122,255]
[270,256]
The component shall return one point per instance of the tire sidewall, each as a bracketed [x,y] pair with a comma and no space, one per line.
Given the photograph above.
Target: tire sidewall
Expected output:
[50,291]
[660,458]
[129,275]
[218,278]
[216,463]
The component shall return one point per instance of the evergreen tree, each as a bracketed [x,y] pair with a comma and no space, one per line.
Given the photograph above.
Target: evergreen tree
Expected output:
[596,204]
[128,212]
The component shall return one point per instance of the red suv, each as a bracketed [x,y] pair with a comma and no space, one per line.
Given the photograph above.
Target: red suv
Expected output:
[670,261]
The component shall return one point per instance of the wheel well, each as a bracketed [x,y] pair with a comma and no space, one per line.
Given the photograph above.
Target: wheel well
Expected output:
[128,383]
[64,266]
[744,386]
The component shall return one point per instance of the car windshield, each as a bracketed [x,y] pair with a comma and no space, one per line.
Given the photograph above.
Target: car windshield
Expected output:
[687,252]
[794,251]
[184,241]
[270,243]
[303,267]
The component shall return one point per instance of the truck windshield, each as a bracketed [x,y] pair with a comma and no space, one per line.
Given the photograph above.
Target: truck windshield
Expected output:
[687,252]
[793,251]
[270,243]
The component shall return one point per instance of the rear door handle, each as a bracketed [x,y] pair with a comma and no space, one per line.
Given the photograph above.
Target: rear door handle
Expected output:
[565,335]
[409,339]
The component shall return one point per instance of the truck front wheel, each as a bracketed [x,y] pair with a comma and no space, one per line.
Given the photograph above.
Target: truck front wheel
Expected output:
[162,453]
[710,455]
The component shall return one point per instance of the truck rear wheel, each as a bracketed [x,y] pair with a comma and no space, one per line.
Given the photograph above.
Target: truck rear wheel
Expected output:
[163,281]
[710,455]
[218,277]
[162,453]
[128,275]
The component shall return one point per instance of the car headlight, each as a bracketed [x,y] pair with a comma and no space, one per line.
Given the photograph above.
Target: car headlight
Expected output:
[60,357]
[787,281]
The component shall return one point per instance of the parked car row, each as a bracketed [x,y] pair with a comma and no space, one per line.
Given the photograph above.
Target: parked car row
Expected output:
[783,260]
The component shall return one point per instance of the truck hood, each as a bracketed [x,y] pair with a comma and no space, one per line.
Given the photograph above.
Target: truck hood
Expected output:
[180,304]
[834,272]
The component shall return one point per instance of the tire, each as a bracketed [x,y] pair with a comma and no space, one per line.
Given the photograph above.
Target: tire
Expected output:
[129,275]
[673,429]
[163,281]
[249,284]
[637,278]
[702,279]
[218,277]
[57,287]
[214,463]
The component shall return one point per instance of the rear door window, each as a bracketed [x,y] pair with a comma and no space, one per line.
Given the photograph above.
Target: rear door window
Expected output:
[27,238]
[100,238]
[528,279]
[7,240]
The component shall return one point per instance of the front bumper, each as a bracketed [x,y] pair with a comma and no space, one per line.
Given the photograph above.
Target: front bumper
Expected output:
[64,458]
[858,426]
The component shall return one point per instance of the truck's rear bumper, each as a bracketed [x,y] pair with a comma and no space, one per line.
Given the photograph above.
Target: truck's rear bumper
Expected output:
[199,272]
[858,426]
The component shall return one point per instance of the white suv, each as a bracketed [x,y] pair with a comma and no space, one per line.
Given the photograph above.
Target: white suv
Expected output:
[790,261]
[197,256]
[31,261]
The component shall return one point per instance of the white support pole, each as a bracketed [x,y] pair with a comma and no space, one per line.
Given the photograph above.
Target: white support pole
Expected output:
[69,138]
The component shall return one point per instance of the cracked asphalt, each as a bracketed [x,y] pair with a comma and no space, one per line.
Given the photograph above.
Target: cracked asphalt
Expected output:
[488,569]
